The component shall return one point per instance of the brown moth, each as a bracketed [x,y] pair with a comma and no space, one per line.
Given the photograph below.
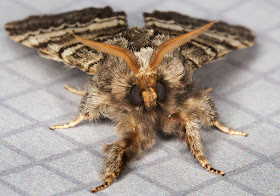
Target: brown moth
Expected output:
[141,77]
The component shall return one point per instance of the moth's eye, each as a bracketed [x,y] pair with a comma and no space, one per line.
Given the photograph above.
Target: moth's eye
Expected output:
[161,91]
[135,96]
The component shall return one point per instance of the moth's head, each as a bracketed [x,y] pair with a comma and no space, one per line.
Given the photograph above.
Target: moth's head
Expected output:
[148,89]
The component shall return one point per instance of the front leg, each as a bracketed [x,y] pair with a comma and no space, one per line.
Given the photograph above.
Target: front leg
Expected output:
[192,127]
[90,108]
[197,112]
[225,129]
[133,142]
[72,123]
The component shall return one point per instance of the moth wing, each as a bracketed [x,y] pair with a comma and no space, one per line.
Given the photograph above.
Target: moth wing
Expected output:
[214,44]
[52,35]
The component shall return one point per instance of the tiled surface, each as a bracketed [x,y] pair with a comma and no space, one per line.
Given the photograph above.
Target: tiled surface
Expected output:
[37,161]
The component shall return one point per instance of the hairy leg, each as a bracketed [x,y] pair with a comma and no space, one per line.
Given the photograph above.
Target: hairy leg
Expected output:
[119,153]
[75,91]
[71,123]
[114,162]
[225,129]
[192,128]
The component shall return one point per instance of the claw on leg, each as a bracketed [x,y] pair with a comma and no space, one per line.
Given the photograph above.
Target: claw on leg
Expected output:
[211,169]
[70,124]
[75,91]
[202,160]
[106,183]
[225,129]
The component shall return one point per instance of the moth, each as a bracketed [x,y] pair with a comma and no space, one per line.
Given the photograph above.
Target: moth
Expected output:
[140,78]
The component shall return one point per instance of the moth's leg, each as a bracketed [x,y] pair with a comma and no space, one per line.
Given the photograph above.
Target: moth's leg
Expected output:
[208,90]
[120,152]
[225,129]
[114,162]
[70,124]
[75,91]
[192,128]
[197,112]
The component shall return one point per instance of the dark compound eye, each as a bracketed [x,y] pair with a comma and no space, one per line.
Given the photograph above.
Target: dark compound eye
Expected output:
[135,96]
[161,91]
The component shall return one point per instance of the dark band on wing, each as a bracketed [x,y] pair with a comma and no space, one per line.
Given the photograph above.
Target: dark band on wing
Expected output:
[52,35]
[213,44]
[47,22]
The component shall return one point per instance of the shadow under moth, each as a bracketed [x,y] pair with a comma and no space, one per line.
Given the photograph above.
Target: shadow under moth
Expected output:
[141,78]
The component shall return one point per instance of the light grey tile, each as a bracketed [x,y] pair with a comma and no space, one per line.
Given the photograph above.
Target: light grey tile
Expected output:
[38,181]
[130,5]
[41,70]
[261,97]
[10,159]
[83,193]
[277,118]
[174,146]
[257,58]
[13,11]
[276,76]
[219,5]
[77,5]
[151,156]
[275,34]
[10,84]
[11,50]
[221,76]
[222,188]
[39,143]
[78,81]
[227,157]
[264,178]
[232,117]
[46,7]
[83,166]
[262,138]
[10,120]
[177,174]
[276,3]
[266,17]
[41,105]
[6,191]
[89,132]
[179,6]
[130,184]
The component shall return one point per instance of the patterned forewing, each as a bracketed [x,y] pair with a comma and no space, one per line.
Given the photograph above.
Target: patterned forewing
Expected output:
[219,40]
[52,35]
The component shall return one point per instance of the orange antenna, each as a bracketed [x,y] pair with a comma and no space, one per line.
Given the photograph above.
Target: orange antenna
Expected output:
[128,56]
[164,48]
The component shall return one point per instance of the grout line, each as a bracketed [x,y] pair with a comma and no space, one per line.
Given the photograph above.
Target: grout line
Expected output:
[84,187]
[13,188]
[243,187]
[199,186]
[154,182]
[37,87]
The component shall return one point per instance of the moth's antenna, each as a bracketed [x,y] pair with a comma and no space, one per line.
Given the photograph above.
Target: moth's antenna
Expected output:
[128,56]
[176,42]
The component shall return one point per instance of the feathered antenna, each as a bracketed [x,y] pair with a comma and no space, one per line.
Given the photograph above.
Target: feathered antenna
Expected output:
[128,56]
[164,48]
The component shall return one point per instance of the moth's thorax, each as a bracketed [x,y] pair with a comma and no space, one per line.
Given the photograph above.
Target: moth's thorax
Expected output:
[146,78]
